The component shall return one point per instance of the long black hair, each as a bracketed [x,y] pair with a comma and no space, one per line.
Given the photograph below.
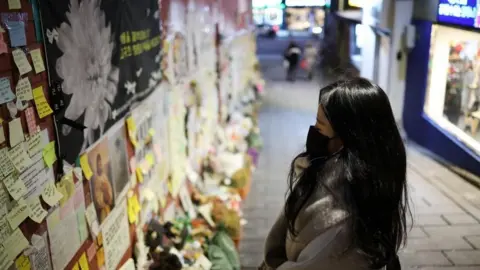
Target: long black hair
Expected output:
[371,165]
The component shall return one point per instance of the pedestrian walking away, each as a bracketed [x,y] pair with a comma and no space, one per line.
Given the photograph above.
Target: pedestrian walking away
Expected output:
[310,57]
[346,206]
[291,58]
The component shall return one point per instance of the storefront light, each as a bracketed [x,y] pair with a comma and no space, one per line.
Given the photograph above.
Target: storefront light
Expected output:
[305,3]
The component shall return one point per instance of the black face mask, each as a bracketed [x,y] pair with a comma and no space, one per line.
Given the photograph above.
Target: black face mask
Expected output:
[317,143]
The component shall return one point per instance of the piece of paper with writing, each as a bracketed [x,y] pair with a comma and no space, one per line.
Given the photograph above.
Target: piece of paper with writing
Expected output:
[24,89]
[21,61]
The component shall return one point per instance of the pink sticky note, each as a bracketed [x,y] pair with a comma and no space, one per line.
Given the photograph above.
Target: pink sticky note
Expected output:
[3,45]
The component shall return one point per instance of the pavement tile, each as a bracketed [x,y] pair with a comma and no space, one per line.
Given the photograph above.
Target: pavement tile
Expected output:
[429,220]
[470,257]
[474,240]
[453,230]
[418,258]
[460,219]
[437,243]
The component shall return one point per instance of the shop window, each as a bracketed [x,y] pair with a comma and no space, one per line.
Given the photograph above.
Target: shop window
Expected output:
[453,94]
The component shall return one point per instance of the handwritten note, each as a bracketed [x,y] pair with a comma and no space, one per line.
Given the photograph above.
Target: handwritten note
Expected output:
[23,263]
[6,166]
[24,89]
[6,94]
[15,244]
[16,31]
[19,157]
[37,213]
[31,121]
[5,261]
[49,155]
[16,132]
[18,214]
[87,171]
[116,235]
[50,194]
[5,230]
[14,4]
[40,257]
[43,108]
[37,142]
[21,61]
[15,186]
[2,134]
[92,220]
[37,60]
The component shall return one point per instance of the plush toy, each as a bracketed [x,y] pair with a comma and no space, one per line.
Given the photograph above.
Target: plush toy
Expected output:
[228,218]
[165,261]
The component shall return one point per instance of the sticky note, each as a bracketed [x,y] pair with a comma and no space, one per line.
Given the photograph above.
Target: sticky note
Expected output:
[2,134]
[14,4]
[16,31]
[37,213]
[5,261]
[87,171]
[151,132]
[43,108]
[31,121]
[150,159]
[23,263]
[3,45]
[19,157]
[83,262]
[15,187]
[16,243]
[16,132]
[6,166]
[92,220]
[132,131]
[37,142]
[37,60]
[21,61]
[6,94]
[139,174]
[133,208]
[23,90]
[18,214]
[76,267]
[100,258]
[49,155]
[50,193]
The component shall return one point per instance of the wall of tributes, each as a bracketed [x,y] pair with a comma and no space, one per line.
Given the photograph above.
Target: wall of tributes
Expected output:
[128,133]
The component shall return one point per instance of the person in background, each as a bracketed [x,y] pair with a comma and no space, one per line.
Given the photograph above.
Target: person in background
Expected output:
[310,59]
[291,59]
[347,202]
[103,192]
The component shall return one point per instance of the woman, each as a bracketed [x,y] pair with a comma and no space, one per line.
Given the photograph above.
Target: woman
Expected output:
[347,202]
[291,58]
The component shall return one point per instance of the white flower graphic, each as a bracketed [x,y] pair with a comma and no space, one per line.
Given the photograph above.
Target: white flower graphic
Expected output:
[85,66]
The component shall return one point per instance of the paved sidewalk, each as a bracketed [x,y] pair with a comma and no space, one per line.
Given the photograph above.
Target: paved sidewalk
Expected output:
[446,230]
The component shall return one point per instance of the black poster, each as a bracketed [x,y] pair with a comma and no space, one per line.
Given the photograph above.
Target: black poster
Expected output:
[105,55]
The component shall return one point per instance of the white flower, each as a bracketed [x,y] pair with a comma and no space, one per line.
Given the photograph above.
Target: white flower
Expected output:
[130,86]
[85,66]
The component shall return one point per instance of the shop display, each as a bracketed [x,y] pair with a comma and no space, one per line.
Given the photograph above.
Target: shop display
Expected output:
[453,98]
[128,134]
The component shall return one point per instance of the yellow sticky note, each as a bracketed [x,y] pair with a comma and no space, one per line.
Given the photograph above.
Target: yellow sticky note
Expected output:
[37,213]
[132,131]
[19,158]
[23,263]
[151,132]
[132,215]
[15,187]
[100,257]
[83,262]
[87,171]
[43,108]
[139,174]
[21,61]
[62,190]
[18,214]
[76,267]
[49,155]
[150,159]
[50,193]
[14,4]
[37,60]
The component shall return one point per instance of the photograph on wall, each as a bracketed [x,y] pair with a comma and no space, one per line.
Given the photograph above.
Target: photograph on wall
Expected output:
[117,147]
[101,184]
[105,57]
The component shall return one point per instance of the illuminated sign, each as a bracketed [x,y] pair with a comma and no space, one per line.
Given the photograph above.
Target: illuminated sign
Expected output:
[355,3]
[461,12]
[305,3]
[266,3]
